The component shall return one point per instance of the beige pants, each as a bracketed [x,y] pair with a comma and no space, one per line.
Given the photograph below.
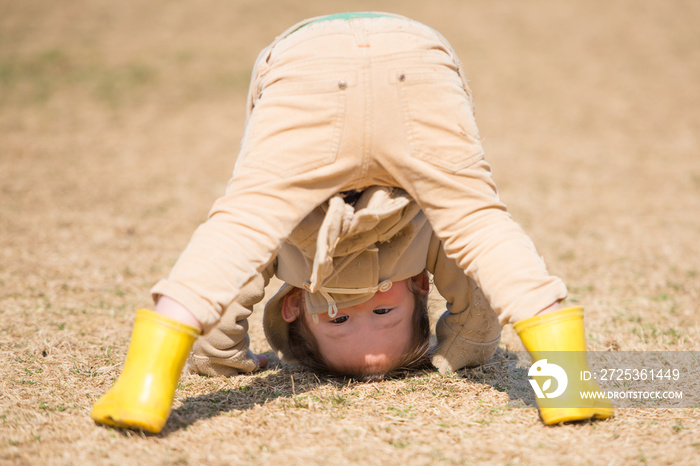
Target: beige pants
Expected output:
[340,105]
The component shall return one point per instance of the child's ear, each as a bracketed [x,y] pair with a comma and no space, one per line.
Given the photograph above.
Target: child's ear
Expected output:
[420,283]
[291,305]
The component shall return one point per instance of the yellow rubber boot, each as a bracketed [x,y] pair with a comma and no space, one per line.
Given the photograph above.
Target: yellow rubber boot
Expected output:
[559,337]
[143,395]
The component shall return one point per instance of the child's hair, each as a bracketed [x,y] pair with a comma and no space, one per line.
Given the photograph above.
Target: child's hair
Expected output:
[305,348]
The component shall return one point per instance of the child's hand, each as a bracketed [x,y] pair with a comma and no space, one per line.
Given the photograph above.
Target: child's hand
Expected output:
[468,338]
[207,360]
[262,360]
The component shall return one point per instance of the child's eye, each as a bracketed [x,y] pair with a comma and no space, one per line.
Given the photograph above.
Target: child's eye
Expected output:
[382,311]
[339,320]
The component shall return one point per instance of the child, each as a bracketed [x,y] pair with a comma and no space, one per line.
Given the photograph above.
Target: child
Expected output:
[340,104]
[370,251]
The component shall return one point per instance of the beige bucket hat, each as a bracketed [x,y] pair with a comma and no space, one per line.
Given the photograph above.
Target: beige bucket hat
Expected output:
[361,247]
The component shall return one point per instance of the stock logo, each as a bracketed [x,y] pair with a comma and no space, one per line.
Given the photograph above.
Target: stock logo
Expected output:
[542,368]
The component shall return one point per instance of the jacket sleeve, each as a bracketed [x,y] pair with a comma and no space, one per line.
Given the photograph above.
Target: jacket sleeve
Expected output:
[225,349]
[468,332]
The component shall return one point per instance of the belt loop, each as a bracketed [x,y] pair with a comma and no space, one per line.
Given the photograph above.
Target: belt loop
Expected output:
[359,32]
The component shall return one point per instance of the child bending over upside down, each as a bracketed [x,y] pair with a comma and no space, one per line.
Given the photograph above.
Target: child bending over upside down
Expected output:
[360,169]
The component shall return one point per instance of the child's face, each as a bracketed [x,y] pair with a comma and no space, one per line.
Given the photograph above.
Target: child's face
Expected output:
[369,337]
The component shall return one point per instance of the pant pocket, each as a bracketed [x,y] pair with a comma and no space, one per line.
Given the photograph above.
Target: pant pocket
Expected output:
[438,116]
[296,123]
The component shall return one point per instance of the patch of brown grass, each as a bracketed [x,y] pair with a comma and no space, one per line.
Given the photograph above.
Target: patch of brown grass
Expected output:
[119,122]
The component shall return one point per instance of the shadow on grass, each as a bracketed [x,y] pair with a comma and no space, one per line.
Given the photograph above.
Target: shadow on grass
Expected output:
[278,381]
[506,372]
[503,372]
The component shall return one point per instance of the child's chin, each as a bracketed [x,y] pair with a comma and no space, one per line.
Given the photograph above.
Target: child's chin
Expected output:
[364,365]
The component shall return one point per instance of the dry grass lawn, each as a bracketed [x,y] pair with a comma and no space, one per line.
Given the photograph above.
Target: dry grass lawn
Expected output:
[119,125]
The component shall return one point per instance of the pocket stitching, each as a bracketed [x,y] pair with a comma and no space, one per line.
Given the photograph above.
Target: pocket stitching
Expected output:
[335,131]
[410,123]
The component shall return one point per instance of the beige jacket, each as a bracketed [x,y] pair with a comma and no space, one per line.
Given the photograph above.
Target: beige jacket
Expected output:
[341,254]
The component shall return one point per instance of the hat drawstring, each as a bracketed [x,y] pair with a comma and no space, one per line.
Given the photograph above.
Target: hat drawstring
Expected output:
[383,287]
[333,307]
